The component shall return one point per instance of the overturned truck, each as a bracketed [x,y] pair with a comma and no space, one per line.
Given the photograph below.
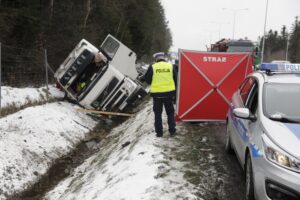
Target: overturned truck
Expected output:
[110,84]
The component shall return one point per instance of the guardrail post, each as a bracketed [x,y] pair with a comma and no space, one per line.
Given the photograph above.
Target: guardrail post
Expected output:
[47,81]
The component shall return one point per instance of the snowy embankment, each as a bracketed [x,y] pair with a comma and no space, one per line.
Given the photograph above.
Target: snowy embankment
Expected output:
[131,164]
[33,138]
[18,97]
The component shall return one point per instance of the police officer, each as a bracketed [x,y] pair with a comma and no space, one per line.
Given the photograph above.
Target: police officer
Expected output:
[162,78]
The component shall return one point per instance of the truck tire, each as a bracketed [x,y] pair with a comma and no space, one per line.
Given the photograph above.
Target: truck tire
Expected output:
[228,147]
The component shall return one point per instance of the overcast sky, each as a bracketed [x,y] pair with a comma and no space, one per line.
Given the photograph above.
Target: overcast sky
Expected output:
[197,23]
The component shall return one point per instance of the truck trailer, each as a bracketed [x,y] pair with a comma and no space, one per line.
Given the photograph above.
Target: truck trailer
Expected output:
[110,86]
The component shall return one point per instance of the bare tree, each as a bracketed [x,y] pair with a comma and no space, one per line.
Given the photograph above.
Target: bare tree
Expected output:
[51,9]
[88,10]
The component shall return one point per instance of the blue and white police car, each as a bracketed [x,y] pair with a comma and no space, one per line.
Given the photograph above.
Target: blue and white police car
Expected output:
[263,128]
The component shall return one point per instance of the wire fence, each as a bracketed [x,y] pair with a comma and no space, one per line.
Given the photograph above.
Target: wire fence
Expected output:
[22,68]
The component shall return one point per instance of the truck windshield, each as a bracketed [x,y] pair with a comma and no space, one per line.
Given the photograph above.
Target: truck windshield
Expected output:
[240,49]
[281,102]
[110,47]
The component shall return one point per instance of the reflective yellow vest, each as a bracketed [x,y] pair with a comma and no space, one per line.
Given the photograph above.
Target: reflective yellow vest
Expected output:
[162,79]
[80,86]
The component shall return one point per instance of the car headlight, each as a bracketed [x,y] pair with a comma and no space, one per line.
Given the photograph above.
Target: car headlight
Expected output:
[278,156]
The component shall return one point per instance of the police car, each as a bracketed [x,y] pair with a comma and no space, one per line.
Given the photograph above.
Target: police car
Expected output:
[263,128]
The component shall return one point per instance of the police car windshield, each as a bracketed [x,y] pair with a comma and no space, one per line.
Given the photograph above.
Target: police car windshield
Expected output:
[281,102]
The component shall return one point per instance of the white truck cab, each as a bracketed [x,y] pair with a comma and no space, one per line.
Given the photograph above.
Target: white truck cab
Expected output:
[110,86]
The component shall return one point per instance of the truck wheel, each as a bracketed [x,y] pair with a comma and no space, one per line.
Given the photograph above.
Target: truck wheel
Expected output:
[228,147]
[249,179]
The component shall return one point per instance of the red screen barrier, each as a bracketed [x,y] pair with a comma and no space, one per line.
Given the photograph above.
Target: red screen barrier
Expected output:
[206,82]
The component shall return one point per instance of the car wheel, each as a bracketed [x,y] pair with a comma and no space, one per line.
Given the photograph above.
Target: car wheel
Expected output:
[249,179]
[228,147]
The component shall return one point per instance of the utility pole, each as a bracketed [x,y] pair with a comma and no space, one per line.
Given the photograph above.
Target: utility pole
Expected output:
[264,37]
[234,16]
[287,46]
[220,26]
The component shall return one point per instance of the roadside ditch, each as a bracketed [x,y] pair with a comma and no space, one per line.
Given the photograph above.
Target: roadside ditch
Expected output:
[63,166]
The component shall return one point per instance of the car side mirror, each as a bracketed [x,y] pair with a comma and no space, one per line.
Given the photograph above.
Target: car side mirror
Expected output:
[244,113]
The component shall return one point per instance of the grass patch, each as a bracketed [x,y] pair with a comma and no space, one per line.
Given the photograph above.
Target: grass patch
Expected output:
[192,177]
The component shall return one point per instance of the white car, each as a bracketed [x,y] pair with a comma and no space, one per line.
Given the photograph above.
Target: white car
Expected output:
[263,128]
[281,62]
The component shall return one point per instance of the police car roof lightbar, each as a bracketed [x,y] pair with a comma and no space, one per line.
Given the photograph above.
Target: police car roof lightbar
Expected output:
[280,67]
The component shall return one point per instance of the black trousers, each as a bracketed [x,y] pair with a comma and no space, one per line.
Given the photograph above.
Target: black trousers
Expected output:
[158,104]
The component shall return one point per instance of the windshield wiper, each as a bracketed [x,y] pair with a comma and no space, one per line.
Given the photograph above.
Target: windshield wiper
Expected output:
[284,119]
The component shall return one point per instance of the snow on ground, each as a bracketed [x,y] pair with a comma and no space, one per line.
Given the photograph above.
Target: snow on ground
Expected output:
[31,139]
[131,164]
[21,96]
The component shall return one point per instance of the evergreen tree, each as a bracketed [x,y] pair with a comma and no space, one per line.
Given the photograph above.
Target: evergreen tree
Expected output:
[59,25]
[294,47]
[276,44]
